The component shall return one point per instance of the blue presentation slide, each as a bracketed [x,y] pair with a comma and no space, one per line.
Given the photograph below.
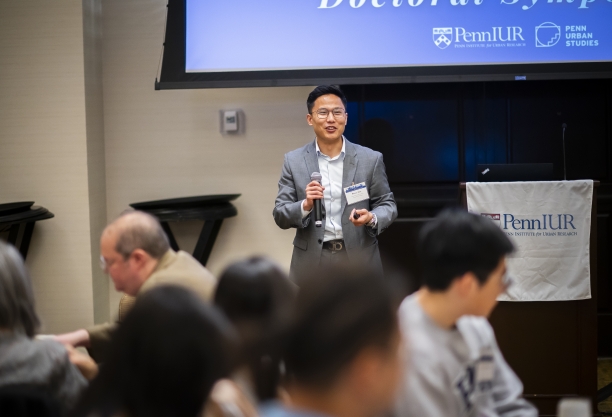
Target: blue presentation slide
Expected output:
[248,35]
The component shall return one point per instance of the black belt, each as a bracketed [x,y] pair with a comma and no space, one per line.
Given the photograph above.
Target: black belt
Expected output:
[334,245]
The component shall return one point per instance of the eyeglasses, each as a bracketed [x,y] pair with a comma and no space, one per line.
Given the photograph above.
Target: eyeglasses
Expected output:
[338,113]
[104,264]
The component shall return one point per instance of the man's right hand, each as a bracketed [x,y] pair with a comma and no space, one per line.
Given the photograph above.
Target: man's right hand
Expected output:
[314,191]
[76,338]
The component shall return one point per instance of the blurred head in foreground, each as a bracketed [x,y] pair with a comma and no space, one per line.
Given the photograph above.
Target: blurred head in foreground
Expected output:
[164,359]
[257,296]
[17,313]
[343,352]
[464,256]
[37,368]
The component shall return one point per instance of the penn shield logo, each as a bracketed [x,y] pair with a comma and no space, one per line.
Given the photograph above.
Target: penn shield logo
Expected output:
[442,37]
[547,35]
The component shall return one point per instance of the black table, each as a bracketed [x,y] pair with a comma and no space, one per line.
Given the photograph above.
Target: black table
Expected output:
[18,216]
[213,209]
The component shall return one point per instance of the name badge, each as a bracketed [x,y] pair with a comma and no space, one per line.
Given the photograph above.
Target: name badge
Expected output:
[356,193]
[485,369]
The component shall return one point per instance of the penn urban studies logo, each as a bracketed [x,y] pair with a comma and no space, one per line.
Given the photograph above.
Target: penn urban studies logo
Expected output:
[442,37]
[545,225]
[547,34]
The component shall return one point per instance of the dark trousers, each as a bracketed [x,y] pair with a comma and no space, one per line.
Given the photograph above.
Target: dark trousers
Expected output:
[330,258]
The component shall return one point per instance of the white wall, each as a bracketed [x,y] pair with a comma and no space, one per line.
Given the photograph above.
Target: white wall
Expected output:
[83,133]
[96,166]
[43,150]
[163,144]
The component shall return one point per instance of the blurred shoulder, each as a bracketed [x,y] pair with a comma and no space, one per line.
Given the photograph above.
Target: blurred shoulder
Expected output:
[477,329]
[25,360]
[180,268]
[175,263]
[43,349]
[409,308]
[416,327]
[52,349]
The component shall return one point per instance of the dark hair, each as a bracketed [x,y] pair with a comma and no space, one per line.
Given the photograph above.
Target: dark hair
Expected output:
[323,90]
[456,242]
[339,312]
[16,296]
[164,358]
[257,296]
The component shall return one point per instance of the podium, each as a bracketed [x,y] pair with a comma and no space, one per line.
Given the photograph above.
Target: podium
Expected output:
[552,345]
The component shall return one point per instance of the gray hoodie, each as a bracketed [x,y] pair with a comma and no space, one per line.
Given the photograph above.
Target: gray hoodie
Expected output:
[455,373]
[40,363]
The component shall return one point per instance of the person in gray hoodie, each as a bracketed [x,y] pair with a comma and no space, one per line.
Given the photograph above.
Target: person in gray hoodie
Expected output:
[454,366]
[41,365]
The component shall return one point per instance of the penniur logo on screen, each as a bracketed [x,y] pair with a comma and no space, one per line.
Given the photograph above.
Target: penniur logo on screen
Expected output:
[496,37]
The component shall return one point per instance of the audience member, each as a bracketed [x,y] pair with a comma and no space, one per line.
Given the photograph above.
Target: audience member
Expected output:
[257,297]
[343,355]
[43,365]
[455,367]
[163,359]
[136,254]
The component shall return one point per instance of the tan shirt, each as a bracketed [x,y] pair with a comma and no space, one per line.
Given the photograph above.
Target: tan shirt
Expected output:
[174,268]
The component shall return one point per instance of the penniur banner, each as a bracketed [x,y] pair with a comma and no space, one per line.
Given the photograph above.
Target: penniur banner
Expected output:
[550,225]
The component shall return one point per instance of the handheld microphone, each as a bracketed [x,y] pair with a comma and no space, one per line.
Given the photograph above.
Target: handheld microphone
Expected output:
[316,176]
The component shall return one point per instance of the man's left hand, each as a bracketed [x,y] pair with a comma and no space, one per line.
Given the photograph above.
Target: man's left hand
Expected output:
[83,362]
[363,219]
[77,338]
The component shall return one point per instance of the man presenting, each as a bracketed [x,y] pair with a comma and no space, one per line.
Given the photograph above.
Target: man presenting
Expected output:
[357,203]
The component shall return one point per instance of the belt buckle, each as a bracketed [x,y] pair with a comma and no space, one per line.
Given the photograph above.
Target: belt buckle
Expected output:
[336,246]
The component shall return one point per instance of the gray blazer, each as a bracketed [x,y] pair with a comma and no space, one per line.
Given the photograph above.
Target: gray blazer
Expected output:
[361,164]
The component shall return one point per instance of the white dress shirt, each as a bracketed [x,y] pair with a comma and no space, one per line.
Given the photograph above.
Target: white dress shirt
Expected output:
[331,170]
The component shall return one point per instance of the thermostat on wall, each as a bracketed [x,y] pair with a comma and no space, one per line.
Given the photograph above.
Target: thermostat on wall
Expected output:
[232,122]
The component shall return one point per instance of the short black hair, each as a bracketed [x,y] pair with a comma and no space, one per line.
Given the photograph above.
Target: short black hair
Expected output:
[457,242]
[323,90]
[339,312]
[254,289]
[258,297]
